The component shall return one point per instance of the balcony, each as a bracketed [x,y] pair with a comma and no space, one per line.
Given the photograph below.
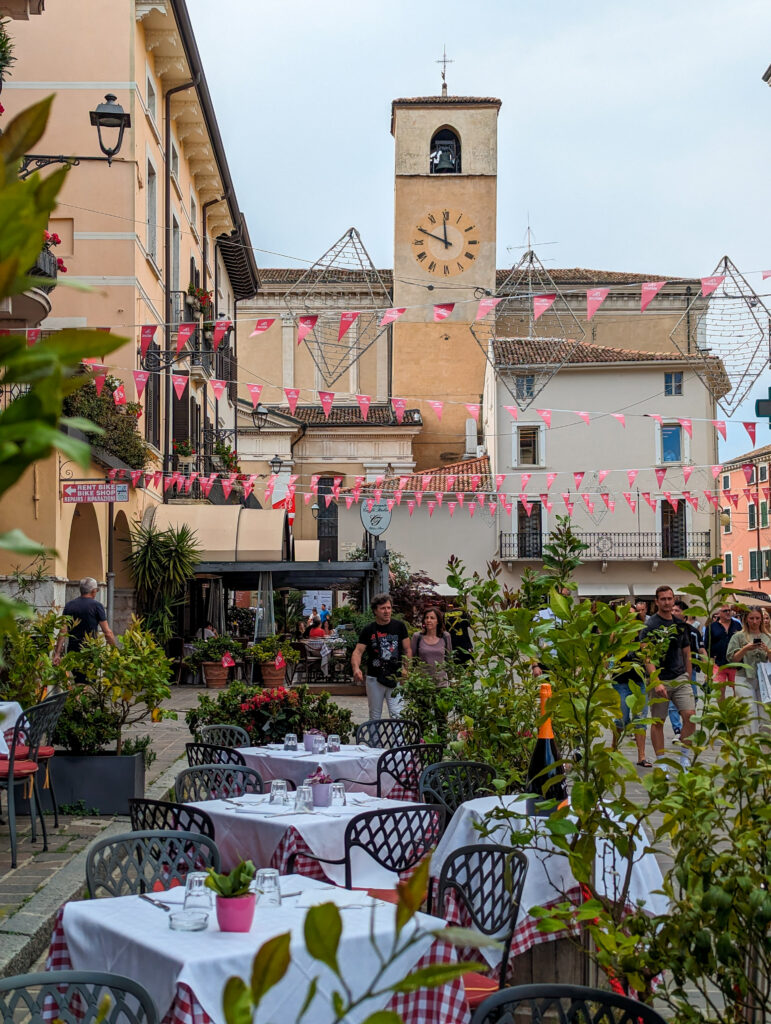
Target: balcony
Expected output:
[614,547]
[28,309]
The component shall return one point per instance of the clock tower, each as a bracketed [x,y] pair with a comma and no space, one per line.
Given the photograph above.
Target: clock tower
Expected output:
[444,252]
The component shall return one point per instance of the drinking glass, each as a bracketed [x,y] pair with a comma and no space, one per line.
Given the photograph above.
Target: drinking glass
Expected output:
[268,892]
[278,792]
[290,741]
[333,743]
[197,894]
[319,744]
[337,795]
[303,800]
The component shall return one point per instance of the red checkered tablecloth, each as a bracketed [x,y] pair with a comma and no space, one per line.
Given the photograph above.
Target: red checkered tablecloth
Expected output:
[443,1005]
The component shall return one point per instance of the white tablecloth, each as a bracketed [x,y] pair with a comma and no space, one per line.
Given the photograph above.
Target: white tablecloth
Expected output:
[548,875]
[255,828]
[131,937]
[351,762]
[10,711]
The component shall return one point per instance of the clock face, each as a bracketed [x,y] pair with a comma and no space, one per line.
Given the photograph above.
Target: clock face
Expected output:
[446,242]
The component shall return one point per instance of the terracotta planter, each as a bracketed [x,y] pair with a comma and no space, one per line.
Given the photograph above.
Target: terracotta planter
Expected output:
[322,793]
[235,913]
[216,674]
[271,676]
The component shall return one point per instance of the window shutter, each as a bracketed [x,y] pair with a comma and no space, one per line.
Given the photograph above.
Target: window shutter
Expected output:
[180,422]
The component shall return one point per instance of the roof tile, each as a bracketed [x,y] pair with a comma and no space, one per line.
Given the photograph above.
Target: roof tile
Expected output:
[463,470]
[527,352]
[350,416]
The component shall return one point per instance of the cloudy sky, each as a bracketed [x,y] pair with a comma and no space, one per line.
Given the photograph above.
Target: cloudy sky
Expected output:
[633,136]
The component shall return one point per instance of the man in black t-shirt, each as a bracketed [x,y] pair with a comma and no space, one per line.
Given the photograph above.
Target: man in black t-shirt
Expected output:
[88,617]
[386,644]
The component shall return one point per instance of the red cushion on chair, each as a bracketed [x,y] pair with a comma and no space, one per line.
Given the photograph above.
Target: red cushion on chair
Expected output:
[20,768]
[43,754]
[387,895]
[478,987]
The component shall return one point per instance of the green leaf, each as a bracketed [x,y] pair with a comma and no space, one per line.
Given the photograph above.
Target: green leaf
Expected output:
[338,1005]
[467,937]
[81,423]
[309,997]
[323,928]
[236,1002]
[435,975]
[411,893]
[383,1017]
[20,544]
[550,924]
[270,965]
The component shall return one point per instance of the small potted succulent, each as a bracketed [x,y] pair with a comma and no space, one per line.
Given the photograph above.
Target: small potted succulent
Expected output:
[308,738]
[321,787]
[235,901]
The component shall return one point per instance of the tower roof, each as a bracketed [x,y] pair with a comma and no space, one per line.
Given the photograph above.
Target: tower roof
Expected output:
[442,101]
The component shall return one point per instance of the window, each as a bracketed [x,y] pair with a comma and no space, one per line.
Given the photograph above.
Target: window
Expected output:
[764,515]
[174,254]
[752,519]
[151,98]
[728,565]
[673,384]
[527,446]
[766,563]
[175,161]
[755,564]
[444,155]
[725,519]
[726,482]
[524,386]
[152,211]
[671,443]
[194,214]
[152,398]
[763,473]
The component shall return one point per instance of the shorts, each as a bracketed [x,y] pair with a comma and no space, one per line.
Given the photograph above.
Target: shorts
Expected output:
[680,692]
[725,675]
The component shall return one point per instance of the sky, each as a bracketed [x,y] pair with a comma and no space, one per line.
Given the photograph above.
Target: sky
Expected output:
[632,136]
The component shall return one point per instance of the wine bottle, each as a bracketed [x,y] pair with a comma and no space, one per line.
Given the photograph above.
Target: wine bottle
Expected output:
[543,771]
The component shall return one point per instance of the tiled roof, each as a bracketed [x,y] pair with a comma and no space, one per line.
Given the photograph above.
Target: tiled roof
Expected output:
[515,352]
[350,416]
[463,470]
[757,453]
[566,276]
[290,275]
[421,101]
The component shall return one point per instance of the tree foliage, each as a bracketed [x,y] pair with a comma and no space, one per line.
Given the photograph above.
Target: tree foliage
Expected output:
[161,563]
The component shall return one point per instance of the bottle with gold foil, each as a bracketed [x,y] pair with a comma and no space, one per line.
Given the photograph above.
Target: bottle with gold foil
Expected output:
[544,776]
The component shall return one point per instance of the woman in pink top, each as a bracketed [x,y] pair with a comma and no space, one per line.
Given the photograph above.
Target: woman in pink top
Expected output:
[433,645]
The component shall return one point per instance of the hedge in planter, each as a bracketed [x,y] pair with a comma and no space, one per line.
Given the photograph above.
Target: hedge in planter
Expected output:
[269,714]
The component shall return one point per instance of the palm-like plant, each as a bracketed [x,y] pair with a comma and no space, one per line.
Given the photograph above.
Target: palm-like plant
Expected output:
[161,563]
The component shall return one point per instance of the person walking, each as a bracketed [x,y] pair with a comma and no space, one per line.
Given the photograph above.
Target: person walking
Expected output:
[386,644]
[717,636]
[629,678]
[697,650]
[88,617]
[751,646]
[433,645]
[674,674]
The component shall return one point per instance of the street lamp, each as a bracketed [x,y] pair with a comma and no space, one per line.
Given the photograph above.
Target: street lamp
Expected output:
[275,464]
[110,114]
[259,416]
[315,510]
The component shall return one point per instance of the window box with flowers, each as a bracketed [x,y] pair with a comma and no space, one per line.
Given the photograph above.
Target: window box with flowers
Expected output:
[48,264]
[227,456]
[185,453]
[199,301]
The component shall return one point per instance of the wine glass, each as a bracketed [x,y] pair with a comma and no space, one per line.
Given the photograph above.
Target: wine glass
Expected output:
[337,795]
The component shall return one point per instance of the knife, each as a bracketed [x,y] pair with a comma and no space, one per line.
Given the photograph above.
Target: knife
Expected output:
[155,903]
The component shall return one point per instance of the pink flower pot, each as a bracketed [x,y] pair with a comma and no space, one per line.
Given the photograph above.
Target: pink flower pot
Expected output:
[322,794]
[308,739]
[235,913]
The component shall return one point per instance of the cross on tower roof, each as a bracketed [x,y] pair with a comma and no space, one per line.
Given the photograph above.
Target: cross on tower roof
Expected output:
[444,60]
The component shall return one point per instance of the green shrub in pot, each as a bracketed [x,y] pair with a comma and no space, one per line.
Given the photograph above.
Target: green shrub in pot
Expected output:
[267,650]
[214,649]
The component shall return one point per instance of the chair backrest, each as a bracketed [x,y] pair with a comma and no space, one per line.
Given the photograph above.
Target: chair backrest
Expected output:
[163,814]
[487,883]
[451,783]
[208,753]
[216,782]
[75,996]
[147,861]
[388,732]
[38,722]
[406,764]
[398,838]
[562,1004]
[224,735]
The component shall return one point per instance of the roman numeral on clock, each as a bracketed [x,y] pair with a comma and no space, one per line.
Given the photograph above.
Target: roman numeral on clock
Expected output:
[432,266]
[422,256]
[469,255]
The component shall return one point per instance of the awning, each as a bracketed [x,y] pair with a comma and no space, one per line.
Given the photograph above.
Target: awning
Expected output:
[306,551]
[229,533]
[445,590]
[603,590]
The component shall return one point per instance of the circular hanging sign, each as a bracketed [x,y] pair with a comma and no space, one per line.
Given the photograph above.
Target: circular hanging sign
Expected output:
[375,520]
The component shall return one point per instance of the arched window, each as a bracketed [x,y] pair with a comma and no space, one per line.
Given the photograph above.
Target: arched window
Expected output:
[445,153]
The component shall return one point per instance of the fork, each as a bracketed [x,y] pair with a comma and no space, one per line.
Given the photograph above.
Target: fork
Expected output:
[155,903]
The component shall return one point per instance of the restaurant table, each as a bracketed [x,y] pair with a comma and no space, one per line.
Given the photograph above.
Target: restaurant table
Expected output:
[185,972]
[352,761]
[549,879]
[251,827]
[10,712]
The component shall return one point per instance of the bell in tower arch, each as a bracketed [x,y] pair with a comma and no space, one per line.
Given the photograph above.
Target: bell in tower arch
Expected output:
[445,153]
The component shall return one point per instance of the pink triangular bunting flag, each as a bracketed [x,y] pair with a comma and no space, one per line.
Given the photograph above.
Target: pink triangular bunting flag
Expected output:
[437,406]
[218,387]
[179,381]
[512,411]
[473,411]
[327,399]
[711,284]
[687,470]
[578,477]
[442,310]
[347,320]
[620,417]
[750,428]
[594,299]
[304,327]
[141,378]
[748,469]
[584,416]
[392,314]
[632,476]
[221,328]
[499,480]
[146,335]
[719,426]
[550,478]
[184,333]
[541,303]
[716,470]
[485,306]
[262,325]
[648,293]
[630,501]
[660,474]
[602,474]
[292,397]
[399,405]
[255,390]
[364,402]
[545,415]
[687,425]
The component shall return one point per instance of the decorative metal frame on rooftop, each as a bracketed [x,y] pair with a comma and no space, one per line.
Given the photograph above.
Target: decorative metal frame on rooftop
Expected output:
[108,115]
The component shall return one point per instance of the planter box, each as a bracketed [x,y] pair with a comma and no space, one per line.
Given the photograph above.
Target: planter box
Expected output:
[104,782]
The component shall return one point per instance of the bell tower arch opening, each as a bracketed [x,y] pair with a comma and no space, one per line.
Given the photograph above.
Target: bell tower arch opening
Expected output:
[445,152]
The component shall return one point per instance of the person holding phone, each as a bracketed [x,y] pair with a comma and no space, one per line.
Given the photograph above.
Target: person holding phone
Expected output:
[751,646]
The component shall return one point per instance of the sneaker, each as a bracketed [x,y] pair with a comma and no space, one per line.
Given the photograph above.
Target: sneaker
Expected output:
[685,760]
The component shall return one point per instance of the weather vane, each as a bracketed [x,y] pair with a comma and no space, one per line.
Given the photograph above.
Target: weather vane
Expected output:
[444,60]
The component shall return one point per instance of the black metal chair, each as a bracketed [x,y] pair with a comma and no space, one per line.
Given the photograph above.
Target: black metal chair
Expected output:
[451,783]
[406,764]
[75,997]
[45,750]
[388,732]
[486,884]
[224,736]
[216,782]
[397,838]
[147,861]
[163,814]
[209,753]
[562,1004]
[22,766]
[312,661]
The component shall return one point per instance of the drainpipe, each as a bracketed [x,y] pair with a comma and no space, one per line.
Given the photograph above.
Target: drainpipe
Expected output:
[167,264]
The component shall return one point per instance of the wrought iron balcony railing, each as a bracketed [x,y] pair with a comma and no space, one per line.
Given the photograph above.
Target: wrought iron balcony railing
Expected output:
[45,266]
[615,546]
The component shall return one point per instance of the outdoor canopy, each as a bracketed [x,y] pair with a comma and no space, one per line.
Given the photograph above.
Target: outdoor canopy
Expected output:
[230,533]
